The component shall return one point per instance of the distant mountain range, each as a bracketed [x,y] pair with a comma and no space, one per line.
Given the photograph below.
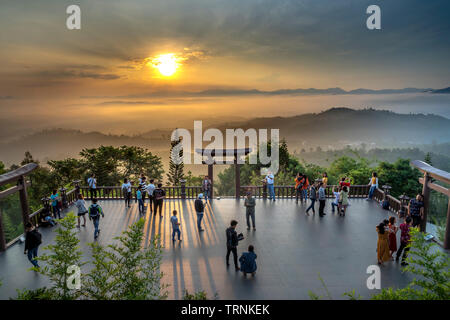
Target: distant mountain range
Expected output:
[331,129]
[298,91]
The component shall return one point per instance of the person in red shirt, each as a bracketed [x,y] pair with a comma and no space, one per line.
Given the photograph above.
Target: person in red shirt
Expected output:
[344,182]
[405,238]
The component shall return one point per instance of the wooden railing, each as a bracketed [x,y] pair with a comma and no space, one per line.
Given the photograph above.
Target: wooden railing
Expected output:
[356,191]
[430,173]
[116,192]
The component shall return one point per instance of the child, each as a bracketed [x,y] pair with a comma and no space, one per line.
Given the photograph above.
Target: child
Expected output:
[175,226]
[405,237]
[94,214]
[248,261]
[335,203]
[81,206]
[343,201]
[140,200]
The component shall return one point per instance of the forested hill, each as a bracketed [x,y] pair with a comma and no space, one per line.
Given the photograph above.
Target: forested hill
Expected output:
[332,129]
[341,126]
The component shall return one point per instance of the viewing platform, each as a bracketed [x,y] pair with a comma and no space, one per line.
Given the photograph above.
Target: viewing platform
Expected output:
[292,249]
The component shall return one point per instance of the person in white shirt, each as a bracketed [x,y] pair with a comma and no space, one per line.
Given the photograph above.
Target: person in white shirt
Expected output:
[92,182]
[126,188]
[149,189]
[270,179]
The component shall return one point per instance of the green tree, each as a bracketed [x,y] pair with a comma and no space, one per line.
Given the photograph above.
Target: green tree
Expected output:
[58,257]
[430,265]
[176,170]
[126,271]
[400,176]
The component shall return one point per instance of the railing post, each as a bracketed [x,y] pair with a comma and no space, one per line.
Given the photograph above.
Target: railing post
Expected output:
[426,201]
[76,184]
[183,189]
[264,194]
[63,197]
[24,200]
[2,235]
[447,229]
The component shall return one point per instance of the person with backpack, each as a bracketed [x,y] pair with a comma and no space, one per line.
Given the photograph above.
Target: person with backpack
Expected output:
[94,214]
[150,189]
[92,182]
[159,195]
[232,242]
[33,240]
[81,206]
[248,261]
[199,209]
[55,204]
[126,189]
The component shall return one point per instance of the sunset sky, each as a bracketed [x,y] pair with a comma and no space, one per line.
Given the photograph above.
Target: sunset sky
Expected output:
[51,76]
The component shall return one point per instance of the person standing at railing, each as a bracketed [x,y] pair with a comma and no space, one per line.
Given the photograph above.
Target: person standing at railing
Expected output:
[416,210]
[305,188]
[159,195]
[250,204]
[150,189]
[325,179]
[92,183]
[126,189]
[199,209]
[94,214]
[322,200]
[373,183]
[55,204]
[206,188]
[81,206]
[269,180]
[299,181]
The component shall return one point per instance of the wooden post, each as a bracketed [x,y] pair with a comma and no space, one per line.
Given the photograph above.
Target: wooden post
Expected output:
[76,184]
[23,200]
[211,177]
[64,201]
[237,170]
[426,201]
[2,235]
[447,229]
[183,189]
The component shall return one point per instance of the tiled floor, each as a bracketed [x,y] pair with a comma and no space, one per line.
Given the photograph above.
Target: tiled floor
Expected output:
[292,250]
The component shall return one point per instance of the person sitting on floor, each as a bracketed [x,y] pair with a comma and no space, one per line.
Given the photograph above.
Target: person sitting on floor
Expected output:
[248,261]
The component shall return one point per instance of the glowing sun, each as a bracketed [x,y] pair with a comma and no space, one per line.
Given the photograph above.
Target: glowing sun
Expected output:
[167,64]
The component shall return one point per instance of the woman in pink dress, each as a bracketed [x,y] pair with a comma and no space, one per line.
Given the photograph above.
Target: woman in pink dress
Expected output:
[392,236]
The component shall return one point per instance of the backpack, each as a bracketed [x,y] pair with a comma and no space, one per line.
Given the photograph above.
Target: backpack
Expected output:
[38,237]
[94,212]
